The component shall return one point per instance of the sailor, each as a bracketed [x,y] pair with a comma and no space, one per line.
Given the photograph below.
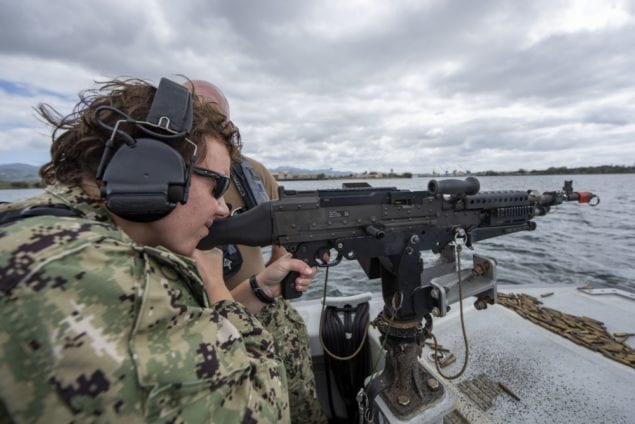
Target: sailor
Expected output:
[252,184]
[108,312]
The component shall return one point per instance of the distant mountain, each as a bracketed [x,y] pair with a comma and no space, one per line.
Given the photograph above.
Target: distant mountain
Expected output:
[301,171]
[19,172]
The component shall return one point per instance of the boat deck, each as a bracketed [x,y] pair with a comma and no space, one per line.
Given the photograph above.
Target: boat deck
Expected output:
[556,380]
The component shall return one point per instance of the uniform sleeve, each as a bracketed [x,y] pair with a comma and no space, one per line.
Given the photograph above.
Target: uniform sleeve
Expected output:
[67,313]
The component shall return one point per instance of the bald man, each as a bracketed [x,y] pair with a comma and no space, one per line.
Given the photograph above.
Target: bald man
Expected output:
[251,184]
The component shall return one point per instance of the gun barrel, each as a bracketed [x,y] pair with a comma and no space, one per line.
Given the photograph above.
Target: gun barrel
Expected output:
[469,186]
[251,228]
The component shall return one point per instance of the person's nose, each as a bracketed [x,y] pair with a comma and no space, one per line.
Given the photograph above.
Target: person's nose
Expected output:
[223,209]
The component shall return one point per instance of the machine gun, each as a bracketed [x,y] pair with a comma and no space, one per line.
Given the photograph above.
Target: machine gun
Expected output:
[374,224]
[385,230]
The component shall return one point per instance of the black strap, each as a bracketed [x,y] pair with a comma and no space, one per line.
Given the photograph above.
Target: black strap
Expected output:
[236,171]
[54,209]
[259,292]
[374,388]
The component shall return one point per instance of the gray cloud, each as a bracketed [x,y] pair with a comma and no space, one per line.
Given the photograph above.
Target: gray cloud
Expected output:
[353,86]
[557,70]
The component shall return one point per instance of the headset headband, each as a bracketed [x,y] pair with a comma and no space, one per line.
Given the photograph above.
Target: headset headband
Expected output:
[171,107]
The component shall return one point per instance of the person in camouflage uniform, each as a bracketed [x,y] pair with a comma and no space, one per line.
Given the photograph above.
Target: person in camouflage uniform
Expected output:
[105,319]
[280,318]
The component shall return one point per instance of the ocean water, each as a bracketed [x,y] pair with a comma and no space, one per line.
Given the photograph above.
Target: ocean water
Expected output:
[14,195]
[574,244]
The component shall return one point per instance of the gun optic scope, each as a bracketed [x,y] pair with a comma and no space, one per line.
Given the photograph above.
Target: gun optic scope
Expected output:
[469,186]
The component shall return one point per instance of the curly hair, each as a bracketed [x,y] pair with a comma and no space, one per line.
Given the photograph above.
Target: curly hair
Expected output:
[79,141]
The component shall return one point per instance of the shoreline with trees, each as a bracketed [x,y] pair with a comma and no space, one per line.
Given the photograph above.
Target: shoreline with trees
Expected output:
[19,185]
[562,170]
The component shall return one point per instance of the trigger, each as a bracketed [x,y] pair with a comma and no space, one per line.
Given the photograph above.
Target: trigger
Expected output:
[323,258]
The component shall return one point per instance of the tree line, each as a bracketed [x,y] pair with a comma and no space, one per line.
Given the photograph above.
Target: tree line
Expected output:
[19,184]
[563,170]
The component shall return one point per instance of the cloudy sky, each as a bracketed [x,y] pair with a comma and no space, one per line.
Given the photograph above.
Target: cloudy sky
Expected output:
[350,85]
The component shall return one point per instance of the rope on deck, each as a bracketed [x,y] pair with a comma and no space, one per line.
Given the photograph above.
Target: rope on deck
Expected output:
[581,330]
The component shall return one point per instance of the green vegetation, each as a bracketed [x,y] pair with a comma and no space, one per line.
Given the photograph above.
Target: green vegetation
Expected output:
[322,176]
[19,184]
[563,170]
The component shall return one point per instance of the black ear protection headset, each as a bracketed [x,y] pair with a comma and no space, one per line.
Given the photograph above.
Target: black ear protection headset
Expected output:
[144,178]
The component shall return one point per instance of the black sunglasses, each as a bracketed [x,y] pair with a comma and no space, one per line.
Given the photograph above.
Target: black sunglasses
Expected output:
[221,182]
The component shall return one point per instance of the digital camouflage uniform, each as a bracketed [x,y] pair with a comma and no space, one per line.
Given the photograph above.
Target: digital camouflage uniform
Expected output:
[281,319]
[290,334]
[96,328]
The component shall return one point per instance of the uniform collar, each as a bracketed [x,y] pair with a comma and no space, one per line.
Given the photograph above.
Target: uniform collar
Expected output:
[77,198]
